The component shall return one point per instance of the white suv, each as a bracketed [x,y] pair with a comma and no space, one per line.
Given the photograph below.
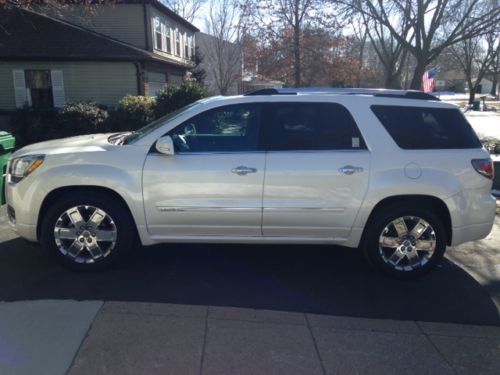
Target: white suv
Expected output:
[397,173]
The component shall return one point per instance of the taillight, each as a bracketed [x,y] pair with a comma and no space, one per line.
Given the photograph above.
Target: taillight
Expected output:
[483,167]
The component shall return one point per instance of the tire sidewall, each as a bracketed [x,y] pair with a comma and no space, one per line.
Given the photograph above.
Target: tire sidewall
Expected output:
[382,219]
[121,219]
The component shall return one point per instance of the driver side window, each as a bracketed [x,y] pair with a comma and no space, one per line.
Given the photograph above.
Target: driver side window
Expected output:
[225,129]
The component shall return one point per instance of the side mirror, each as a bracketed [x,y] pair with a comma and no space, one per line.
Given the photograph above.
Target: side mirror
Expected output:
[165,145]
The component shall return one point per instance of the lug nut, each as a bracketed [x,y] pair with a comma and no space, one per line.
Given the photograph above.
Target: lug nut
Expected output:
[82,240]
[89,240]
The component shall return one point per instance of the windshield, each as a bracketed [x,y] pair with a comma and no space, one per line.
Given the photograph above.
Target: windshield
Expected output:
[151,127]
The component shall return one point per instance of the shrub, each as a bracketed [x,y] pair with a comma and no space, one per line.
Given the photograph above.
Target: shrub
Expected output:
[133,112]
[81,118]
[175,97]
[491,144]
[30,126]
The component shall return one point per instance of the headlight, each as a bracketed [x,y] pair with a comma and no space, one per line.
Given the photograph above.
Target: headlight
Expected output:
[23,166]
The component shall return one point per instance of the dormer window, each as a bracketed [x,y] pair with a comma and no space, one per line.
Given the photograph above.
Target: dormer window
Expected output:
[168,38]
[158,38]
[192,47]
[186,46]
[177,42]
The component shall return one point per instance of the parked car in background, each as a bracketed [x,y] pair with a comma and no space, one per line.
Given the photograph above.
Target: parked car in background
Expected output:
[398,174]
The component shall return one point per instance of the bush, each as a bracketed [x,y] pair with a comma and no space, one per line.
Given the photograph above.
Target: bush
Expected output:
[81,118]
[29,126]
[491,144]
[133,112]
[175,97]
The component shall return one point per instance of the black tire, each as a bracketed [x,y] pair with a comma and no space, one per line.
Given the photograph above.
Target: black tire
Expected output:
[118,217]
[379,256]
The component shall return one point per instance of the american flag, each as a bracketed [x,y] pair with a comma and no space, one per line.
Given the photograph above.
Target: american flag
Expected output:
[429,81]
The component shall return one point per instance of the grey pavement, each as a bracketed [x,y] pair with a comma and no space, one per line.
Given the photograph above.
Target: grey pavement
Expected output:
[92,337]
[198,309]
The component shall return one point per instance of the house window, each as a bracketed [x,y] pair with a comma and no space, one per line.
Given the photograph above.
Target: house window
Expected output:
[177,42]
[168,31]
[39,89]
[158,38]
[193,51]
[186,46]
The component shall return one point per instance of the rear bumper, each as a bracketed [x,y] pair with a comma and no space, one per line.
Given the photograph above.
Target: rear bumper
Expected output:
[470,233]
[472,215]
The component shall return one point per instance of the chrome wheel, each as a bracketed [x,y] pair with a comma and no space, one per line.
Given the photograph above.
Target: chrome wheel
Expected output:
[85,234]
[407,243]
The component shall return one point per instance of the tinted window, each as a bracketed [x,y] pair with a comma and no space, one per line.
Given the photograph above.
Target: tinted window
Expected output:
[310,126]
[420,128]
[229,128]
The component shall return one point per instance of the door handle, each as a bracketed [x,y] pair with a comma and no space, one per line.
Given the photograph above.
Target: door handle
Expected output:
[349,169]
[242,170]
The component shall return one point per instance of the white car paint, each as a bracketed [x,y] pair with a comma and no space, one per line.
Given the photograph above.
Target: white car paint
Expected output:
[292,197]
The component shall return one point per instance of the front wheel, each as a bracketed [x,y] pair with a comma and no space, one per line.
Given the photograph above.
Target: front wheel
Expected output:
[405,242]
[87,233]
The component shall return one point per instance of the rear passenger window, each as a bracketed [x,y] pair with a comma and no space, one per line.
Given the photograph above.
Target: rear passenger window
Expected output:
[421,128]
[310,126]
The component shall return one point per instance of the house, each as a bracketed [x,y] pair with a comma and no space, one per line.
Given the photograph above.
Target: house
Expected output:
[485,86]
[49,58]
[221,62]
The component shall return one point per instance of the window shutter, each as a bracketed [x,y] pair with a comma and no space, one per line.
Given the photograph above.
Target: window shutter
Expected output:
[19,88]
[58,88]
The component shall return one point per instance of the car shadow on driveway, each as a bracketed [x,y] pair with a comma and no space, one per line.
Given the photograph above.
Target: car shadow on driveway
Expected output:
[315,279]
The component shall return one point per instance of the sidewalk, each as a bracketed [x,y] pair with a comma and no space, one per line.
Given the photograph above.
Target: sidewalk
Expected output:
[93,337]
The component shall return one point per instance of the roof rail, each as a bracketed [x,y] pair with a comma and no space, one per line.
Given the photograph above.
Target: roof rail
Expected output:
[405,94]
[269,91]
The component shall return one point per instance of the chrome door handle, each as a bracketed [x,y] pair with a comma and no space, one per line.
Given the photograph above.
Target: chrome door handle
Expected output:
[242,170]
[349,169]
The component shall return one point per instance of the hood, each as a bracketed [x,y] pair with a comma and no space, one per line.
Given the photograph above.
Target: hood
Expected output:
[82,143]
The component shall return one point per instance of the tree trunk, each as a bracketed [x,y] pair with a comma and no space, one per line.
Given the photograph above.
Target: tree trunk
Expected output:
[296,53]
[418,73]
[494,84]
[392,80]
[472,93]
[296,45]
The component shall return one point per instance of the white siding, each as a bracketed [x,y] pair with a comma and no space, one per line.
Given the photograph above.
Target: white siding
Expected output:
[103,82]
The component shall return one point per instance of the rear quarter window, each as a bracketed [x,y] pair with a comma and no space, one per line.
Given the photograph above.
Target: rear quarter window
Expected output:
[424,128]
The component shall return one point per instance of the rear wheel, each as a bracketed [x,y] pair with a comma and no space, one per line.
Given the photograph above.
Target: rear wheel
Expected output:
[88,233]
[405,242]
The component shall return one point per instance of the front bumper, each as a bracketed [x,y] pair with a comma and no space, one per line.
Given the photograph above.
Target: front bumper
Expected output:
[18,213]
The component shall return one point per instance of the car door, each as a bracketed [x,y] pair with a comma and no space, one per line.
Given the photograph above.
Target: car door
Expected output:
[212,185]
[316,170]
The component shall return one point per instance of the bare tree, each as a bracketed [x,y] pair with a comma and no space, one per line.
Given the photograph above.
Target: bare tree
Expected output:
[390,51]
[187,9]
[435,24]
[494,42]
[360,31]
[223,47]
[273,19]
[475,57]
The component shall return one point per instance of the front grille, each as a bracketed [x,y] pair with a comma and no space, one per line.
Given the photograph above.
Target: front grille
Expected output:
[11,213]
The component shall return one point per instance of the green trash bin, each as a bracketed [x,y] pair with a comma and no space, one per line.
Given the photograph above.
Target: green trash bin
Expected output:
[476,105]
[7,143]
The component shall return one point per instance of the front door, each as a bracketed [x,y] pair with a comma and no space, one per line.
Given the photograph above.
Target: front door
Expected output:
[213,184]
[316,171]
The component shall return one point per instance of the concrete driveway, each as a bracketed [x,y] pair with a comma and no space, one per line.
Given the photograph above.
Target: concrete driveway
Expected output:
[226,309]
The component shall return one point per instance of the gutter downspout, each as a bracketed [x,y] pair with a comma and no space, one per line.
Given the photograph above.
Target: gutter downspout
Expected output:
[140,86]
